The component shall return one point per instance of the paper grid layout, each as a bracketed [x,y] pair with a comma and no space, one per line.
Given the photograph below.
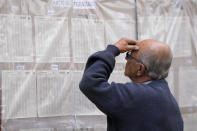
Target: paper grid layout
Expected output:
[87,38]
[52,39]
[16,38]
[55,94]
[118,77]
[116,29]
[175,31]
[178,32]
[83,106]
[151,27]
[159,7]
[37,129]
[18,94]
[187,87]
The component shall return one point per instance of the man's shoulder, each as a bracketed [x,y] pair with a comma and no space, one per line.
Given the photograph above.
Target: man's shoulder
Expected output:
[147,88]
[141,89]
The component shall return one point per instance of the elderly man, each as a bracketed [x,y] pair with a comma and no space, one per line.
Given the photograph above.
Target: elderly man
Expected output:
[146,103]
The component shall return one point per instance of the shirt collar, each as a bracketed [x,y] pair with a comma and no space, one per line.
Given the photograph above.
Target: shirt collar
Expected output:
[147,82]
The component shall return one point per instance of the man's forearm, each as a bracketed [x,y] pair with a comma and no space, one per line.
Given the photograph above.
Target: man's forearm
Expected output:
[99,67]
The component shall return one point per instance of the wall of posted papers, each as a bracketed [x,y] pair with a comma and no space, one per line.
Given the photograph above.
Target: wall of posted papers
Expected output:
[44,45]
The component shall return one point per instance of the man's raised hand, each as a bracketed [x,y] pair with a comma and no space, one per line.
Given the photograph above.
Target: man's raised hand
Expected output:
[125,44]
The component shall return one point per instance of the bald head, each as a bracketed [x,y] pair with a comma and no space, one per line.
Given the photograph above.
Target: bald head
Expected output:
[156,56]
[154,48]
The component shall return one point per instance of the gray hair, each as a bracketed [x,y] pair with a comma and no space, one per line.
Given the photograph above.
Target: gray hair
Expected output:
[156,68]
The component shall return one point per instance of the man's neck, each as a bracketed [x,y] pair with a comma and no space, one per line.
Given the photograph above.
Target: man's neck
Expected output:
[141,79]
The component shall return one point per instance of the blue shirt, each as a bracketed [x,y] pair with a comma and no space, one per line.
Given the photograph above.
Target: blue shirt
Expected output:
[146,106]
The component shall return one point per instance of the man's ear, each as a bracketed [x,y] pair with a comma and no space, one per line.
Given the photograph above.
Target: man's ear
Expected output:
[141,69]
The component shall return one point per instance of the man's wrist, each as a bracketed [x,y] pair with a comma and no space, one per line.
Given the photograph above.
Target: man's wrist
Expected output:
[113,49]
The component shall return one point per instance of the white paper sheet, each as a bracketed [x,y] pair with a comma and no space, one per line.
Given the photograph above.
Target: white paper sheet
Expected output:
[55,94]
[118,77]
[87,38]
[18,94]
[187,86]
[116,29]
[20,67]
[173,30]
[2,2]
[160,7]
[3,37]
[178,35]
[52,41]
[54,67]
[195,32]
[84,4]
[152,27]
[62,3]
[83,106]
[170,80]
[16,38]
[35,7]
[13,6]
